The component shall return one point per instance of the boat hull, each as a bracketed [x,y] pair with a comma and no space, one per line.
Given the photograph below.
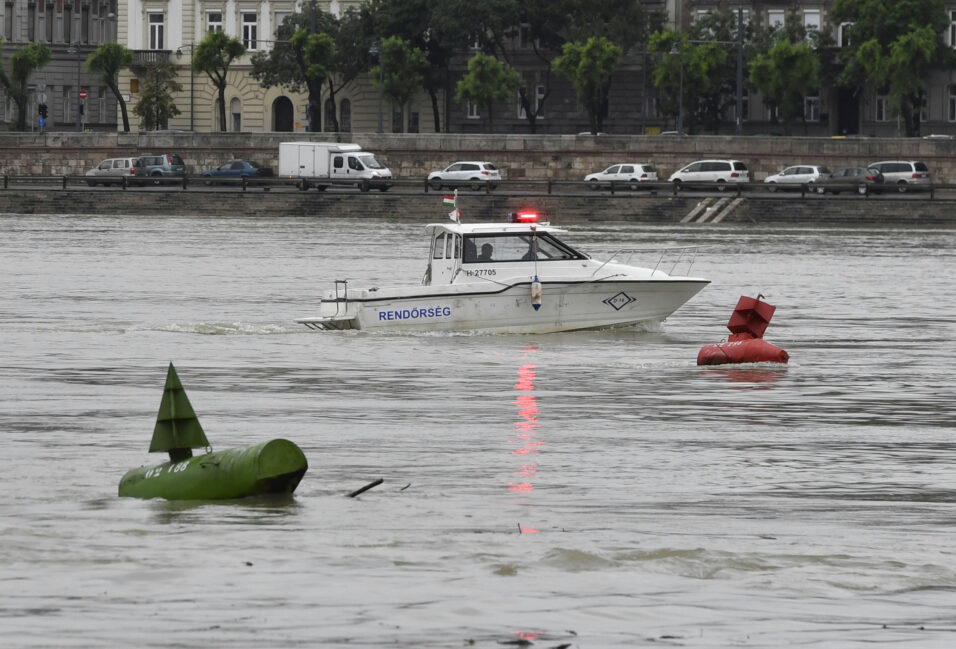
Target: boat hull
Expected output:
[564,306]
[273,467]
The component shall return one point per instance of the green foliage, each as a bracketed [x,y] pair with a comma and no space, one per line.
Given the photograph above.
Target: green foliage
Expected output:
[785,75]
[487,81]
[700,70]
[107,61]
[213,56]
[588,67]
[338,56]
[401,69]
[23,63]
[156,106]
[892,44]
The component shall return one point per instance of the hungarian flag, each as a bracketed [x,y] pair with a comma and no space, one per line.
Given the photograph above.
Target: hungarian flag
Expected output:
[448,201]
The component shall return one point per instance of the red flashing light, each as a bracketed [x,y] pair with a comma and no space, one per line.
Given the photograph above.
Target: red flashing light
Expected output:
[523,217]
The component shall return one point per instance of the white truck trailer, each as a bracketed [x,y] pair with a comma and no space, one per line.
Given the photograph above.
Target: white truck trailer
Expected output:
[322,164]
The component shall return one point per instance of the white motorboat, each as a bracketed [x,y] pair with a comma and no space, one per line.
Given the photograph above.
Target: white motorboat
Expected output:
[515,277]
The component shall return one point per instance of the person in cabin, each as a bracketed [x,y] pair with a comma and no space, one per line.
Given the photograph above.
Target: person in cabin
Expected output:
[486,251]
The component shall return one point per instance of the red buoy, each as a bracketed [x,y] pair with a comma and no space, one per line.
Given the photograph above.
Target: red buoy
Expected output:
[745,343]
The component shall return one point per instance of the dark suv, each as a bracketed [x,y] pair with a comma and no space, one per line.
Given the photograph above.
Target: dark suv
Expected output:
[163,165]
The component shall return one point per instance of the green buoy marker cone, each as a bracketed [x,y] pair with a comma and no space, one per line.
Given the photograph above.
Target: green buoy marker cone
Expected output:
[273,467]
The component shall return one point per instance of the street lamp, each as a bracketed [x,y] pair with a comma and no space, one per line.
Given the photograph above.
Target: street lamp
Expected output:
[374,51]
[740,65]
[679,50]
[179,55]
[75,49]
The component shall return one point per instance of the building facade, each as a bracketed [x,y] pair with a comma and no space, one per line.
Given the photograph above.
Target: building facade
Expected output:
[72,30]
[169,30]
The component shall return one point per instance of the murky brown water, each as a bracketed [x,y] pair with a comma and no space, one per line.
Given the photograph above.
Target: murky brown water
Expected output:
[594,489]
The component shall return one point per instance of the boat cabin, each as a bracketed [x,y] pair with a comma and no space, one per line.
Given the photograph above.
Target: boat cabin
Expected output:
[475,249]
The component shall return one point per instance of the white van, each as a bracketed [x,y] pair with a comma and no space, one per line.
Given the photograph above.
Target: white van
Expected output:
[321,164]
[712,171]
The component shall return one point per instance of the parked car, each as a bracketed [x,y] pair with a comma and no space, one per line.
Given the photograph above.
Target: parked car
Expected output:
[476,175]
[904,174]
[625,174]
[796,175]
[237,169]
[712,171]
[163,165]
[112,170]
[855,179]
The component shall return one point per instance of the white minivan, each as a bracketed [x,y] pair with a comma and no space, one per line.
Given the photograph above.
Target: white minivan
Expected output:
[712,171]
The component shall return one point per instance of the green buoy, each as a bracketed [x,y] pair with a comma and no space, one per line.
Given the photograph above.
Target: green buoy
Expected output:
[273,467]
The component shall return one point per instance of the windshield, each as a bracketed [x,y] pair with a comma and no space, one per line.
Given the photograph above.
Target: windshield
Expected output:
[485,248]
[369,161]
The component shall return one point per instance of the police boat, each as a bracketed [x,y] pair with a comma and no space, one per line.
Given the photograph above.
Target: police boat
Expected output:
[517,276]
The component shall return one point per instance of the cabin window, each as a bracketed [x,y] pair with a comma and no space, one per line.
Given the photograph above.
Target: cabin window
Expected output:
[442,246]
[485,248]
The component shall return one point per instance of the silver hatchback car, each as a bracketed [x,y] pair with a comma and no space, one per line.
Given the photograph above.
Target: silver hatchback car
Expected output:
[113,170]
[476,175]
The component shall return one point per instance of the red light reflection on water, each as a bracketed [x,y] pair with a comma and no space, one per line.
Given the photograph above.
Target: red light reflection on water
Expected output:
[526,425]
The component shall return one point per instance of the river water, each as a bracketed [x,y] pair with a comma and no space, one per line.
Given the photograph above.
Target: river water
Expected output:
[591,490]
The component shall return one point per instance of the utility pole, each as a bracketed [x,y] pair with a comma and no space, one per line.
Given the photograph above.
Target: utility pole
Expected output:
[740,66]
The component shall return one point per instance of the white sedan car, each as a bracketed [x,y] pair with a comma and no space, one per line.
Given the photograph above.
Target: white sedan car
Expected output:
[476,175]
[626,174]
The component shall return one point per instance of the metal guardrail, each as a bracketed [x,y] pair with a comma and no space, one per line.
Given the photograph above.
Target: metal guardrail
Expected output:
[515,186]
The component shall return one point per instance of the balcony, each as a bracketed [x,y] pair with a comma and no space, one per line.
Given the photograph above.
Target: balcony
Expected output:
[142,58]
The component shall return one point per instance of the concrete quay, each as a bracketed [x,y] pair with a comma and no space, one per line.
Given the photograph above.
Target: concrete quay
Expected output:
[690,208]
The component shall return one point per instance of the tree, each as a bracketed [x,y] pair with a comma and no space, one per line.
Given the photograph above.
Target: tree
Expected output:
[23,62]
[213,56]
[401,69]
[699,70]
[415,22]
[107,61]
[313,55]
[286,66]
[589,67]
[892,43]
[487,81]
[156,106]
[784,76]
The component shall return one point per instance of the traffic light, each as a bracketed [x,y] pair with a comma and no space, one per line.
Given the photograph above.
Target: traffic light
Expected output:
[43,111]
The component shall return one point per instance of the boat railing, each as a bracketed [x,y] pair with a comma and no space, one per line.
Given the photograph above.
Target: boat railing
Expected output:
[675,257]
[341,296]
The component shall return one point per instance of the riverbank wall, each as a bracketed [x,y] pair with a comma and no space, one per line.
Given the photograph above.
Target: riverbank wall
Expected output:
[695,211]
[521,157]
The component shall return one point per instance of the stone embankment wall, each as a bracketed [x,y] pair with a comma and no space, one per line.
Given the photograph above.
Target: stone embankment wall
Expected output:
[753,210]
[530,157]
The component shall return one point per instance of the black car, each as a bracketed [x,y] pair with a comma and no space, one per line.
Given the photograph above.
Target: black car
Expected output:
[862,180]
[237,169]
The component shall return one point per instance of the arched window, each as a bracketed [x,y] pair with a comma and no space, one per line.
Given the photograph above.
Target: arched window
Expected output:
[235,115]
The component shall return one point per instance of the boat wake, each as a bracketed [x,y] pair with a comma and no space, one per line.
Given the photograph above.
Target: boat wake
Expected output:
[222,328]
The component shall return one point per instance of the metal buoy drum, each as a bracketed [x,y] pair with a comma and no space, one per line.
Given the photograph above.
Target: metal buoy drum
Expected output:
[745,343]
[273,467]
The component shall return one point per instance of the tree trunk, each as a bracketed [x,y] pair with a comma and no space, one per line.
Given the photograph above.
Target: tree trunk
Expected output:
[21,102]
[436,114]
[222,109]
